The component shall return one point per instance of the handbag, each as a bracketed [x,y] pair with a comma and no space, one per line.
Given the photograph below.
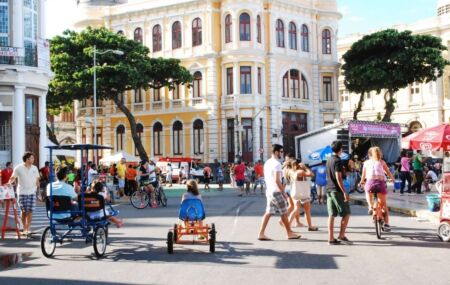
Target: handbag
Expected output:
[301,189]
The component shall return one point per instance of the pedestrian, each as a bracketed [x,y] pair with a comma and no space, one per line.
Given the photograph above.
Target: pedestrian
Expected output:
[44,173]
[276,197]
[300,176]
[430,178]
[374,171]
[169,174]
[27,176]
[337,198]
[259,176]
[232,177]
[239,174]
[207,176]
[418,172]
[220,176]
[121,173]
[131,179]
[71,177]
[182,176]
[320,175]
[248,177]
[92,173]
[6,173]
[405,171]
[288,167]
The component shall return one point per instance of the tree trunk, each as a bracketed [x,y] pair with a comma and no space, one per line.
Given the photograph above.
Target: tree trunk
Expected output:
[389,106]
[136,139]
[359,106]
[52,136]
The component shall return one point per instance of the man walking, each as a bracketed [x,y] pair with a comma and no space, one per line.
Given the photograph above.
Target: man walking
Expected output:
[239,172]
[121,173]
[27,176]
[276,197]
[418,172]
[259,177]
[337,198]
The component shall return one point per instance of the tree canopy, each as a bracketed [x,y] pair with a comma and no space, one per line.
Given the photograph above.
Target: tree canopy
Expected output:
[72,64]
[390,60]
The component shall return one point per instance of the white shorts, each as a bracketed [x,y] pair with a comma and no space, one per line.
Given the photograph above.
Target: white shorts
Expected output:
[121,183]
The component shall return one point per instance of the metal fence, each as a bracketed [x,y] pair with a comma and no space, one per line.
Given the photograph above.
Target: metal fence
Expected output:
[5,136]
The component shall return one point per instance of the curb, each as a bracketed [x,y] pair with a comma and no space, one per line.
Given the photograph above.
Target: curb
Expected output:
[420,214]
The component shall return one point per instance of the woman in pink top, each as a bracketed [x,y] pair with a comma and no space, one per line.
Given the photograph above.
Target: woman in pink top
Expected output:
[374,171]
[405,174]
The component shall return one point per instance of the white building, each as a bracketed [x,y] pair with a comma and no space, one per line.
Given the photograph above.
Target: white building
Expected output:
[23,85]
[265,72]
[419,105]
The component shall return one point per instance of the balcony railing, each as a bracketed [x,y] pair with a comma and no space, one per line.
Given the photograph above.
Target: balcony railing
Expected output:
[18,60]
[157,105]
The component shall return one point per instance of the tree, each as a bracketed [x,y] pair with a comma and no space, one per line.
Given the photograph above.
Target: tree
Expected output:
[72,64]
[390,60]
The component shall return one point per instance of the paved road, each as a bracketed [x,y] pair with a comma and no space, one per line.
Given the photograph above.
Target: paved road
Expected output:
[411,254]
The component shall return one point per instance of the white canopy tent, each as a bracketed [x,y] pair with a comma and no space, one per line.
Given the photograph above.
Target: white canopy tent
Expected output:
[115,158]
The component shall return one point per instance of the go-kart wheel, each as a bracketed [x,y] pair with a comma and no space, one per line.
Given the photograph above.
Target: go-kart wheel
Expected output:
[444,231]
[170,242]
[48,246]
[212,239]
[100,240]
[175,233]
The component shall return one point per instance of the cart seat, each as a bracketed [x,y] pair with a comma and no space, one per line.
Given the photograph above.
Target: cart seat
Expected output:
[62,208]
[94,206]
[192,210]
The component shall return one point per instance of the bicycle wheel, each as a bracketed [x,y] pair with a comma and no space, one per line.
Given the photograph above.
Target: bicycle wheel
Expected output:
[139,199]
[48,246]
[100,241]
[378,226]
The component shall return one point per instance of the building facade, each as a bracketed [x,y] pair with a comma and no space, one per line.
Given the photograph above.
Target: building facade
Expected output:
[23,80]
[264,72]
[419,105]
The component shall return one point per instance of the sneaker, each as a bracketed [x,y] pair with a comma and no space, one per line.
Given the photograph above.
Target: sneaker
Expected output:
[334,242]
[386,228]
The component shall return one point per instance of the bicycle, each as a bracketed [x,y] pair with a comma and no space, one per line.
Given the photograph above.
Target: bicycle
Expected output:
[378,215]
[140,198]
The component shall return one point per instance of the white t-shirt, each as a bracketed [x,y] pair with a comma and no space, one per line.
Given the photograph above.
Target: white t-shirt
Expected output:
[432,175]
[91,174]
[271,167]
[26,179]
[151,169]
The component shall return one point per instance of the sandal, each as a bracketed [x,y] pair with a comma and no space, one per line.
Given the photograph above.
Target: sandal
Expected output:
[313,229]
[334,242]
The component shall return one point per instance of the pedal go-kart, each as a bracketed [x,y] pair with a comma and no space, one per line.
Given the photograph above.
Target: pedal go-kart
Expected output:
[191,215]
[77,222]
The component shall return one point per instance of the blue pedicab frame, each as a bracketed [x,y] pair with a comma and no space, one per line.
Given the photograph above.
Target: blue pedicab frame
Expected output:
[81,227]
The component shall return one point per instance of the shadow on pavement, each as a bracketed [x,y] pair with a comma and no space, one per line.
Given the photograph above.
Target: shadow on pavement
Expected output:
[48,281]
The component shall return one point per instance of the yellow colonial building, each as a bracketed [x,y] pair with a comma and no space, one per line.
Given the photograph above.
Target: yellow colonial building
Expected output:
[264,72]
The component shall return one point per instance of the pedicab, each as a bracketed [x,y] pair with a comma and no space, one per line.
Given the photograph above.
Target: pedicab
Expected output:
[191,215]
[77,224]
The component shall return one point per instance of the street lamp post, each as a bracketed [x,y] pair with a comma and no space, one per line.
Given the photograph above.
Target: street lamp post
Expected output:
[118,52]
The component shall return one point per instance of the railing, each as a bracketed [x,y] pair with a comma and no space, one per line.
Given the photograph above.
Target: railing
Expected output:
[177,103]
[18,60]
[138,107]
[5,136]
[157,105]
[197,101]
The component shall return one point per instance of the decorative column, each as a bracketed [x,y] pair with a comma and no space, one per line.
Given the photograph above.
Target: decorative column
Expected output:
[17,23]
[18,125]
[43,128]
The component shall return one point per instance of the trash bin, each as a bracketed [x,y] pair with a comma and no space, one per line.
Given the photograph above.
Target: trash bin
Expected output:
[434,202]
[397,184]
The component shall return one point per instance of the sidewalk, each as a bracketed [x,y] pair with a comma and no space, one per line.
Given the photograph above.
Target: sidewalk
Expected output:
[412,205]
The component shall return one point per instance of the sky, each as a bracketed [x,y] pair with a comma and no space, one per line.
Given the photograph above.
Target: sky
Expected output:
[359,16]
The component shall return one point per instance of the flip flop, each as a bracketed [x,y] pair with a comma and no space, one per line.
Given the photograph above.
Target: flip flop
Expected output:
[296,237]
[264,239]
[313,229]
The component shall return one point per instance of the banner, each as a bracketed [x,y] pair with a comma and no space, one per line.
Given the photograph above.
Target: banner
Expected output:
[11,51]
[6,192]
[371,129]
[43,54]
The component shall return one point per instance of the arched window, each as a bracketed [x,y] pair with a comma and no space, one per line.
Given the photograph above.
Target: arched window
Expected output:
[305,38]
[228,23]
[198,136]
[196,32]
[139,130]
[197,86]
[138,35]
[177,138]
[292,87]
[292,36]
[326,41]
[244,27]
[157,138]
[157,39]
[305,92]
[120,32]
[120,133]
[176,35]
[258,29]
[280,33]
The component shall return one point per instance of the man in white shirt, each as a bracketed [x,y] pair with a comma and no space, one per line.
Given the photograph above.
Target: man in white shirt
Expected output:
[27,176]
[91,173]
[276,197]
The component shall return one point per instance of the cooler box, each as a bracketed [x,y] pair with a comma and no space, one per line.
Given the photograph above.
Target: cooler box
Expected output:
[434,202]
[397,184]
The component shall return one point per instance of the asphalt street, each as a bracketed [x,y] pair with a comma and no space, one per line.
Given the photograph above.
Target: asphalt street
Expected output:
[137,254]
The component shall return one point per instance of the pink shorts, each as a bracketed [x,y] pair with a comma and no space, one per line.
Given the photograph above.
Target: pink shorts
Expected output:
[376,186]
